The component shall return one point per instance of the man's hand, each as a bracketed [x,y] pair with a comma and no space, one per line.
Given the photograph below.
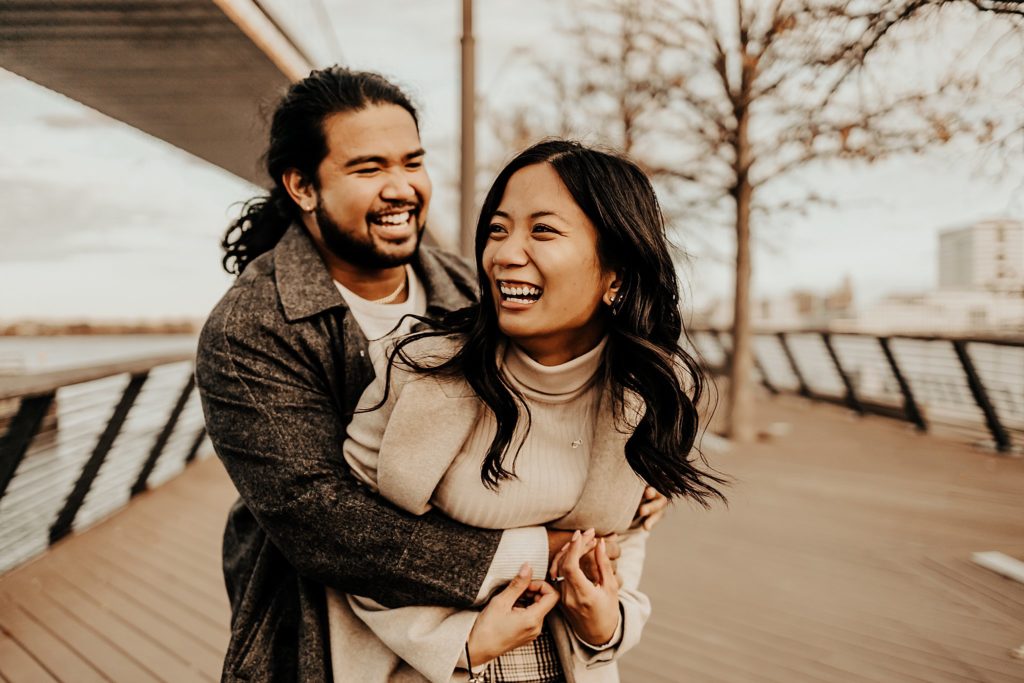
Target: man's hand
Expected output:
[512,618]
[591,607]
[558,539]
[652,509]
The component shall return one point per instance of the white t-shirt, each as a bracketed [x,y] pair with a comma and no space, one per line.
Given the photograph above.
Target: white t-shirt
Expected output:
[380,322]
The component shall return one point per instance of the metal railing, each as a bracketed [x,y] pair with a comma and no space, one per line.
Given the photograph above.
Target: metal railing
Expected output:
[969,387]
[76,445]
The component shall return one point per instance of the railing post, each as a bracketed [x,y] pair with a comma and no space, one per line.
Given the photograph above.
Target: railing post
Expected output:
[851,393]
[804,390]
[66,518]
[910,408]
[1002,438]
[161,440]
[20,432]
[717,334]
[200,435]
[772,389]
[726,353]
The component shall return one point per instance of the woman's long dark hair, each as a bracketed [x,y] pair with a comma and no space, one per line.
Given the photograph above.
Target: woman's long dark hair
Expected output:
[642,355]
[298,140]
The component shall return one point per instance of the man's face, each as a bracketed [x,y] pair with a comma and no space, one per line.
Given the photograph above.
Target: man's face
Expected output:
[374,190]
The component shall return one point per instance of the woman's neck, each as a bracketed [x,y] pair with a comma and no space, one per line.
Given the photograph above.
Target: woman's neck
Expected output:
[556,351]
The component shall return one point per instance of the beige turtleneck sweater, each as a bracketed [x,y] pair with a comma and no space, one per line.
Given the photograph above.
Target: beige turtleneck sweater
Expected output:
[551,465]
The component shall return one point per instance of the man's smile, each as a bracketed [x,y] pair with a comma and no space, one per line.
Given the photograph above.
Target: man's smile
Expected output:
[394,225]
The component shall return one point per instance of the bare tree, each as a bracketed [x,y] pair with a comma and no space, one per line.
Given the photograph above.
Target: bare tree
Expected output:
[720,101]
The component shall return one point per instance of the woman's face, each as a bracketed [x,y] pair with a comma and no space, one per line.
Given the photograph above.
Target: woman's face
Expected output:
[545,275]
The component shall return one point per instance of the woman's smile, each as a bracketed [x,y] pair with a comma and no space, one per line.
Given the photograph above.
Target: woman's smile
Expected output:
[518,295]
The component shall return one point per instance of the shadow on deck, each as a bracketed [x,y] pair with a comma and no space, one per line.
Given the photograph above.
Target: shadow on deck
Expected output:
[844,556]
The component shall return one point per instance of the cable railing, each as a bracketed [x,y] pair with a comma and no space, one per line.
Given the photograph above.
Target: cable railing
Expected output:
[76,445]
[971,388]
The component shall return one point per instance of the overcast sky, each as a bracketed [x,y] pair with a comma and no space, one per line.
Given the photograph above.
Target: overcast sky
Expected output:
[101,221]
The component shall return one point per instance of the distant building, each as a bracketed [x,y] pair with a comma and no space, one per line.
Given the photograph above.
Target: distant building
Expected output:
[985,256]
[980,292]
[799,309]
[981,287]
[942,312]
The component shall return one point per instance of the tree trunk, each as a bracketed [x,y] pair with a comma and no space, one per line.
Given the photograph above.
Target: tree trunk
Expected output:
[740,427]
[739,419]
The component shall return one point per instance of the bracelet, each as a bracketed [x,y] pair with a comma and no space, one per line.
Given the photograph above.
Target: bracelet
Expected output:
[474,678]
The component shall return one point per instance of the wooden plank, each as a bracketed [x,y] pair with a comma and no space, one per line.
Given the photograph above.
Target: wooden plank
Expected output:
[125,590]
[175,636]
[109,658]
[146,648]
[18,666]
[166,572]
[63,661]
[147,584]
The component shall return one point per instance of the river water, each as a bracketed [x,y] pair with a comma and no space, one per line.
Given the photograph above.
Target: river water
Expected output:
[38,354]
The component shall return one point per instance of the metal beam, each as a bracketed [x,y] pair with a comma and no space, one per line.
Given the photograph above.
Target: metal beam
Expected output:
[910,408]
[20,432]
[995,427]
[165,434]
[851,393]
[66,519]
[194,73]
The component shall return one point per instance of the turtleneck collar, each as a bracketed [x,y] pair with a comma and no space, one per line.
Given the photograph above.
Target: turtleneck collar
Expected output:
[552,383]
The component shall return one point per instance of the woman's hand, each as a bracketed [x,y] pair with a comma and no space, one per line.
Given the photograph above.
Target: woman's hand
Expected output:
[512,618]
[558,539]
[652,509]
[591,608]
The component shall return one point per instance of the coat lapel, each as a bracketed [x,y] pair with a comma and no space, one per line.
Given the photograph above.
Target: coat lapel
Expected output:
[612,490]
[425,432]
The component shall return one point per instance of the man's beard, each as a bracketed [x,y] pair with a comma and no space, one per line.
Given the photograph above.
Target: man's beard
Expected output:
[362,253]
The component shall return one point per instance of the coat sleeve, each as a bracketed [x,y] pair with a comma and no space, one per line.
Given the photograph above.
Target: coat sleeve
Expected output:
[634,605]
[277,430]
[429,639]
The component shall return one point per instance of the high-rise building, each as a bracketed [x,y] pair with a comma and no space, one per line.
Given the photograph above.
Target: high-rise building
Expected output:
[985,256]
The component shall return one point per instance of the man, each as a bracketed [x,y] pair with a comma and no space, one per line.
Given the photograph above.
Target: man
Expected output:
[329,260]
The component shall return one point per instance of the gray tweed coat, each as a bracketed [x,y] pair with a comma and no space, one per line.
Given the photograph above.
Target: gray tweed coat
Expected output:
[281,365]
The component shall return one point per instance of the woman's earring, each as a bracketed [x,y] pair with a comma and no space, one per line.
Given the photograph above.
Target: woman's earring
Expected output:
[616,303]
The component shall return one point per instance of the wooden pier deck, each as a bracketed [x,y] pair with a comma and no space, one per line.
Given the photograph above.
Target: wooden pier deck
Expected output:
[844,556]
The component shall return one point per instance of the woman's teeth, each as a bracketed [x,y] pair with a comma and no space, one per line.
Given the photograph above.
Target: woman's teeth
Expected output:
[520,294]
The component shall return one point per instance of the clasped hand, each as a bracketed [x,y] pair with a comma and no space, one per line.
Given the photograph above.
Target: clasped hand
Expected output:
[590,606]
[590,600]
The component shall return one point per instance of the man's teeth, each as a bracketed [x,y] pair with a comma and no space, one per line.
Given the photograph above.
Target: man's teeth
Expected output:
[394,218]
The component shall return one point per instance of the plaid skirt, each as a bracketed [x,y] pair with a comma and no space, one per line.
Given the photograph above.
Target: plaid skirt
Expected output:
[536,662]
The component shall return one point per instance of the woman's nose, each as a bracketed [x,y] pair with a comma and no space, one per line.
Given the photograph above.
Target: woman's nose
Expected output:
[511,252]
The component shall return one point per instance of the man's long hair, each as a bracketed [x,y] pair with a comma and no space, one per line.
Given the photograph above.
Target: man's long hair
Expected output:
[643,355]
[298,139]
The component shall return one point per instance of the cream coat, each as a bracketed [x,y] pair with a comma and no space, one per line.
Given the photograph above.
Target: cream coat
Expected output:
[406,446]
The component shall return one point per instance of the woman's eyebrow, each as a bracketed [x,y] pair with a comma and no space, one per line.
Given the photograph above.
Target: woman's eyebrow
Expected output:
[533,216]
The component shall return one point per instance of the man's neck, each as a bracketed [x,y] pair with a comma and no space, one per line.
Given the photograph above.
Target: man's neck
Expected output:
[370,284]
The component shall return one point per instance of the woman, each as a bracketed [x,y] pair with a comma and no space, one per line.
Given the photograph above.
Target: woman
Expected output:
[554,401]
